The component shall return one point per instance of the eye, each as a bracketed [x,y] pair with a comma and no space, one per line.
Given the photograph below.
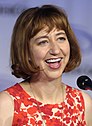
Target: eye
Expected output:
[61,39]
[43,42]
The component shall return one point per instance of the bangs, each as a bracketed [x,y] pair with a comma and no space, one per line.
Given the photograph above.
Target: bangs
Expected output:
[50,19]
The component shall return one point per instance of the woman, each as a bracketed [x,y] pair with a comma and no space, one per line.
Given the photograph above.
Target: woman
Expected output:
[43,47]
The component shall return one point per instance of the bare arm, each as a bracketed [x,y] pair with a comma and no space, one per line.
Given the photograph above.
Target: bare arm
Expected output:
[6,109]
[88,109]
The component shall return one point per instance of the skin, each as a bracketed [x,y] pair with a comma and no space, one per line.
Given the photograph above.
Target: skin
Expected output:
[47,86]
[48,46]
[51,45]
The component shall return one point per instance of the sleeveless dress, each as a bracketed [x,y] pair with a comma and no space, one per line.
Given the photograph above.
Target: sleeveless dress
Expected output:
[67,113]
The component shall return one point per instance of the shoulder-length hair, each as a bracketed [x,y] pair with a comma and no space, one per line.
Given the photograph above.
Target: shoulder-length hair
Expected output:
[28,24]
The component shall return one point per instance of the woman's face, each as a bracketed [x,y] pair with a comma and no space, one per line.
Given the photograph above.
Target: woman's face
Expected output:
[51,52]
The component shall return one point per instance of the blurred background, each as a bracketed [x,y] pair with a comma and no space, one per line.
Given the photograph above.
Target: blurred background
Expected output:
[80,16]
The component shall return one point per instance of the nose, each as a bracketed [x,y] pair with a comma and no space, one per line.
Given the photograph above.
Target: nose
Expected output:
[54,49]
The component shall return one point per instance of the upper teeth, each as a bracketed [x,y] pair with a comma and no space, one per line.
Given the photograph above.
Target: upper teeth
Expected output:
[53,60]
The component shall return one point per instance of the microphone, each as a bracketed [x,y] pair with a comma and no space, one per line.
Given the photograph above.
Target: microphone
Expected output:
[84,82]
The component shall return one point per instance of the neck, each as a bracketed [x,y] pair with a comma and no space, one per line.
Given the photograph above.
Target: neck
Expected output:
[48,91]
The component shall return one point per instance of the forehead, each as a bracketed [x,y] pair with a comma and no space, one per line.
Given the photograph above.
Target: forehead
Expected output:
[47,31]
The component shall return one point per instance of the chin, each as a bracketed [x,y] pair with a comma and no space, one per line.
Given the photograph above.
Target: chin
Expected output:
[54,74]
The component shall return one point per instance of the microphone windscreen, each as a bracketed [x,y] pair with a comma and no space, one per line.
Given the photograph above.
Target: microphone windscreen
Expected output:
[84,82]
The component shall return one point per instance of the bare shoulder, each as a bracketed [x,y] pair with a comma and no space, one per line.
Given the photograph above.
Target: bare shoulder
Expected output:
[6,109]
[87,100]
[4,94]
[88,108]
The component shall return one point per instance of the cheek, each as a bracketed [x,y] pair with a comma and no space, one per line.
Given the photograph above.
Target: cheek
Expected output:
[38,56]
[67,50]
[67,53]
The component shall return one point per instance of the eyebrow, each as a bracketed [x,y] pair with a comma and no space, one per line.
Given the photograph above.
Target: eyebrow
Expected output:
[45,36]
[63,33]
[41,37]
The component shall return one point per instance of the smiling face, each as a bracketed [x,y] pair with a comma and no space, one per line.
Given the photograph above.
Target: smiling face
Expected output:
[51,52]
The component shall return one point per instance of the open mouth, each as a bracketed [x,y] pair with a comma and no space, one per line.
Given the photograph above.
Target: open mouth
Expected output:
[53,60]
[54,63]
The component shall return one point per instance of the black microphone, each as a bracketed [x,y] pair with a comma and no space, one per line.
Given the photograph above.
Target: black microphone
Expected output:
[84,82]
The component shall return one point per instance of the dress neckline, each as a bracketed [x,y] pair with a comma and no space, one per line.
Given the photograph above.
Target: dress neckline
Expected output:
[39,102]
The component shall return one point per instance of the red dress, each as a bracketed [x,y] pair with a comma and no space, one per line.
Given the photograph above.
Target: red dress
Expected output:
[67,113]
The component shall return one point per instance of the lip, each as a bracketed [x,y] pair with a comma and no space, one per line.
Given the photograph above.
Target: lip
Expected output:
[54,63]
[53,60]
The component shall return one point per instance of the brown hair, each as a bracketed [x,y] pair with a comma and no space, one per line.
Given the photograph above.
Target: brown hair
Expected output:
[28,24]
